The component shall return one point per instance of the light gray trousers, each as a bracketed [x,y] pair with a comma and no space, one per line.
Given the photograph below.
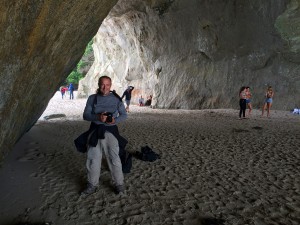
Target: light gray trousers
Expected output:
[110,146]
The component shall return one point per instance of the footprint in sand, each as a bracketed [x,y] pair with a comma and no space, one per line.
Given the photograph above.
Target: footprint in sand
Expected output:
[30,154]
[25,159]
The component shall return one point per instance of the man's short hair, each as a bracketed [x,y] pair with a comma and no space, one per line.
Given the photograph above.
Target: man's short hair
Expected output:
[103,77]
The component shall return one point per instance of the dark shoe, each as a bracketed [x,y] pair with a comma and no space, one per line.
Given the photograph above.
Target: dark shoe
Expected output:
[119,189]
[90,189]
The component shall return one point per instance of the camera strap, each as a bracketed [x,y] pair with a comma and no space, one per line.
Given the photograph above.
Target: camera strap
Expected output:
[116,95]
[94,103]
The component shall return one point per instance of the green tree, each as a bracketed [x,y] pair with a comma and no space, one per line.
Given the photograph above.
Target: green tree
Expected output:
[75,76]
[89,48]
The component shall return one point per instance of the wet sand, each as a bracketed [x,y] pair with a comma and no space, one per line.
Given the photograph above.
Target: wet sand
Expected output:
[212,166]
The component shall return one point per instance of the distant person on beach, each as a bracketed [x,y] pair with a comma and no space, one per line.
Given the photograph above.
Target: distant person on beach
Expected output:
[62,91]
[243,105]
[104,110]
[248,100]
[67,91]
[127,95]
[141,101]
[149,100]
[71,90]
[268,101]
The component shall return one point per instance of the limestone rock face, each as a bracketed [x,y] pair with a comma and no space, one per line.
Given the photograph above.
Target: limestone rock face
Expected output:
[41,42]
[197,54]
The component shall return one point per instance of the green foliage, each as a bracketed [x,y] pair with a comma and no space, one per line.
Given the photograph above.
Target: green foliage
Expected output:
[89,48]
[75,75]
[81,64]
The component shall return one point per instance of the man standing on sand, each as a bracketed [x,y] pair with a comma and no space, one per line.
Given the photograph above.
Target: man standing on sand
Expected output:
[97,110]
[71,89]
[127,95]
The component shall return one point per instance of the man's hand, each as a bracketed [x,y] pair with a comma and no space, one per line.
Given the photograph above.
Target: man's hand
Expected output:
[102,117]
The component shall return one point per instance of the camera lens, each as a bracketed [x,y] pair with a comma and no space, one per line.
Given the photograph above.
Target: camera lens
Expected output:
[109,117]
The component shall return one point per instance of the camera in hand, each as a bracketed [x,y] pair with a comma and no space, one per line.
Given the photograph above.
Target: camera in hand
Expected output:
[109,117]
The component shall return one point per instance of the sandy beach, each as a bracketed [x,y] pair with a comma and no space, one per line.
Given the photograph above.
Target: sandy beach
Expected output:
[214,169]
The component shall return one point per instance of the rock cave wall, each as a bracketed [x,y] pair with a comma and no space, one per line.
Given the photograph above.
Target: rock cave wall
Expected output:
[188,54]
[197,54]
[41,42]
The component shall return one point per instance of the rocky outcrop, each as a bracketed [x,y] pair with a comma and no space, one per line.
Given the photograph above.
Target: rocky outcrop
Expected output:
[197,54]
[41,42]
